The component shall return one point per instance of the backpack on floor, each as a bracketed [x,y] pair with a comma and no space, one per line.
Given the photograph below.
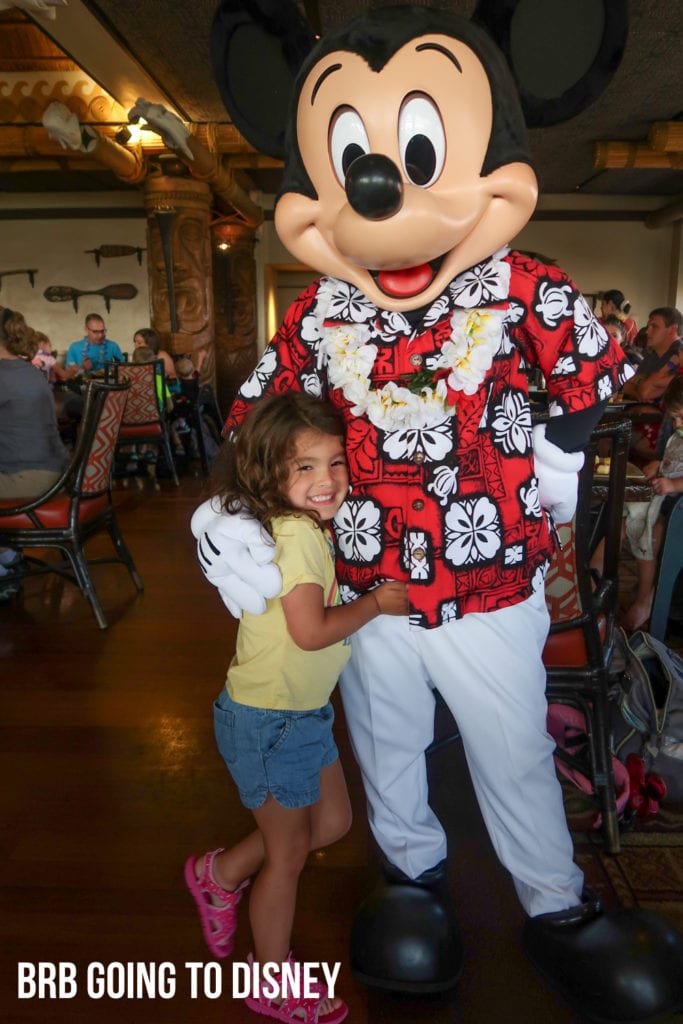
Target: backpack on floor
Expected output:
[647,708]
[567,726]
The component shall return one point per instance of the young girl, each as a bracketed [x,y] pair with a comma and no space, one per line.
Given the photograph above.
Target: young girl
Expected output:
[617,329]
[645,521]
[273,720]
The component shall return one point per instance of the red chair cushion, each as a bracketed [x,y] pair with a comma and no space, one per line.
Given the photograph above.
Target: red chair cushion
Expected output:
[138,430]
[54,514]
[568,649]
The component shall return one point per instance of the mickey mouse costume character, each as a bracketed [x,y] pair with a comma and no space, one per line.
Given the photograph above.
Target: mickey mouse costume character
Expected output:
[407,172]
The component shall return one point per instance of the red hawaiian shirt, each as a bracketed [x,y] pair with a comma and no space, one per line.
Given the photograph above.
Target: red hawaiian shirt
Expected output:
[452,508]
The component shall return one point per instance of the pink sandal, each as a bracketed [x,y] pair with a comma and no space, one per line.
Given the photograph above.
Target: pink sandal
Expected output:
[286,1011]
[218,923]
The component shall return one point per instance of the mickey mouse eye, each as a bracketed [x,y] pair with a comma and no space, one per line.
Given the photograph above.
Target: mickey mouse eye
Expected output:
[347,140]
[421,140]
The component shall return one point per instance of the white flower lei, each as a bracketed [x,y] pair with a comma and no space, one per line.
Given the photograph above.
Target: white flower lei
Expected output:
[476,336]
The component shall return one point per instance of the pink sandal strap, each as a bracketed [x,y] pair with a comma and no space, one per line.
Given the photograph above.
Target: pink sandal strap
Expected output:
[286,1011]
[219,923]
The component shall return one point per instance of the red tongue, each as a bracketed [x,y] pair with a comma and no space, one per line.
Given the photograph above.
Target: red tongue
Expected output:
[404,283]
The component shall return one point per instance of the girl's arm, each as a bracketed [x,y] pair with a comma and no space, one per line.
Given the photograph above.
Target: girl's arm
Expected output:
[313,626]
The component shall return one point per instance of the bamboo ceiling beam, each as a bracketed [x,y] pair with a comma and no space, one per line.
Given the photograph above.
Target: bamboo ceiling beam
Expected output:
[666,136]
[610,155]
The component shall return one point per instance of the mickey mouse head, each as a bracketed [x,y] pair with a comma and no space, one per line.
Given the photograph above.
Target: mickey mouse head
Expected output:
[403,133]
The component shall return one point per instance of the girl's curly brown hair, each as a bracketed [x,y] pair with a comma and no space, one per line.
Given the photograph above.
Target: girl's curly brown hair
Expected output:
[252,470]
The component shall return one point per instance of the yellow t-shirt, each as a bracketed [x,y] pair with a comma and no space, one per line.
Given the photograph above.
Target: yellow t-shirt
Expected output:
[269,670]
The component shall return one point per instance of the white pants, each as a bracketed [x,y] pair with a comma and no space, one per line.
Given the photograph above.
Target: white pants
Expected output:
[488,669]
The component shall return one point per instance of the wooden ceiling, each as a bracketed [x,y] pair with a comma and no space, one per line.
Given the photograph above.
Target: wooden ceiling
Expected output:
[97,57]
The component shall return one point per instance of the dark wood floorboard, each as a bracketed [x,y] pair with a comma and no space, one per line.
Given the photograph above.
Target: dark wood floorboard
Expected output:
[110,779]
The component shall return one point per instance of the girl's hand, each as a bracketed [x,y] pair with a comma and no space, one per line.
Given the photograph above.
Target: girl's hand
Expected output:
[663,485]
[651,469]
[392,598]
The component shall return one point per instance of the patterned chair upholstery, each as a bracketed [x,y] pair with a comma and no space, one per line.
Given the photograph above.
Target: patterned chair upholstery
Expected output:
[144,418]
[78,505]
[583,606]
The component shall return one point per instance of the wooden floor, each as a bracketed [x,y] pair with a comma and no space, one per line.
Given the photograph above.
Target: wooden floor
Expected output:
[110,779]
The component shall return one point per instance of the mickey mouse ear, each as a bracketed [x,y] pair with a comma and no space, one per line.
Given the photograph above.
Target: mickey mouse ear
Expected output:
[562,55]
[257,48]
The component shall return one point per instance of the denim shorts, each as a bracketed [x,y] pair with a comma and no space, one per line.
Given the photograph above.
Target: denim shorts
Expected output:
[277,752]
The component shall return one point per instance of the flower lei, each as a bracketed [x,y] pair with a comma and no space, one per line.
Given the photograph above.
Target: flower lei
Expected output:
[428,397]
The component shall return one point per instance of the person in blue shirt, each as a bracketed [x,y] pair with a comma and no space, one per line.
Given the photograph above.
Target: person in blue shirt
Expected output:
[95,349]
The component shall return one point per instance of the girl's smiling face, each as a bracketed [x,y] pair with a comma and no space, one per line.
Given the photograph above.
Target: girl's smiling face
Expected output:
[318,475]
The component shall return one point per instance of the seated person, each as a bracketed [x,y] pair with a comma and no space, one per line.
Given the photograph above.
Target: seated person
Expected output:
[615,327]
[661,362]
[183,399]
[614,303]
[146,337]
[646,521]
[95,349]
[32,456]
[46,361]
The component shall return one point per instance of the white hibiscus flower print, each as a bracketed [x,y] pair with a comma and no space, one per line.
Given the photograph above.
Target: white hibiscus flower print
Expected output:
[348,303]
[444,483]
[434,442]
[472,531]
[514,554]
[530,501]
[439,309]
[511,423]
[626,371]
[311,384]
[604,386]
[591,337]
[392,323]
[358,529]
[506,346]
[564,367]
[516,312]
[487,282]
[538,578]
[449,611]
[553,303]
[257,381]
[311,329]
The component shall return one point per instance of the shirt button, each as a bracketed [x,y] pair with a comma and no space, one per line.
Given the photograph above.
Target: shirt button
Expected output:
[419,458]
[416,359]
[419,554]
[418,505]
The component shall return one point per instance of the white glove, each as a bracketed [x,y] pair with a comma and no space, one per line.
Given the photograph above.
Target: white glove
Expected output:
[236,555]
[557,473]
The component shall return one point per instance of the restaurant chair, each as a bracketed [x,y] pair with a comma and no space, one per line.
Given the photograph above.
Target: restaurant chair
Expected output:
[77,506]
[583,604]
[144,418]
[670,565]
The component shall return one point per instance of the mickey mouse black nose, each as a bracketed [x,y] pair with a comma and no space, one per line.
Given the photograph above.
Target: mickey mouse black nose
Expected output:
[374,187]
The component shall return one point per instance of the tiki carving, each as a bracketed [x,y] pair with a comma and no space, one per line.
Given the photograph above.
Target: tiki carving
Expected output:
[234,275]
[179,248]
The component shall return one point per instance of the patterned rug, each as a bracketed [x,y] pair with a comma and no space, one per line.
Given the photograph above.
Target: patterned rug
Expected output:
[647,872]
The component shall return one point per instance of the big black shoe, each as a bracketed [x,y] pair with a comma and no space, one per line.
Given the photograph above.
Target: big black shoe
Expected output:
[623,966]
[405,937]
